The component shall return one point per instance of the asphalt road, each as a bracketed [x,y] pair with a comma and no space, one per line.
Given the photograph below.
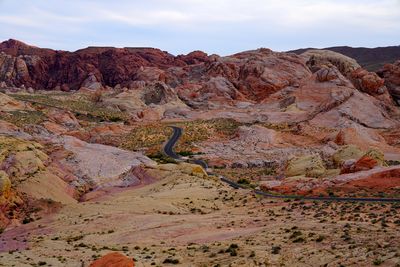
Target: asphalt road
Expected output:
[168,149]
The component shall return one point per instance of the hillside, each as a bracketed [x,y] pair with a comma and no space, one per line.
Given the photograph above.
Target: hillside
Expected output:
[371,59]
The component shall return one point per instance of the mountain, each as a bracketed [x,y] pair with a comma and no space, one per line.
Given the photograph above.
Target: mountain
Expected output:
[371,59]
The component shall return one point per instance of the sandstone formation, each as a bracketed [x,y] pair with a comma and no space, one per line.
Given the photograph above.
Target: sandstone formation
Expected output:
[9,104]
[391,75]
[347,152]
[363,164]
[317,58]
[310,166]
[371,59]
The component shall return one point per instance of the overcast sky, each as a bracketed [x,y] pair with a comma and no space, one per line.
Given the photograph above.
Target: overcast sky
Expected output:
[215,26]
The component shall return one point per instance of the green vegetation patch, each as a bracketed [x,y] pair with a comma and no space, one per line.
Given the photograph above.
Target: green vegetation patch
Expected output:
[21,118]
[81,106]
[150,137]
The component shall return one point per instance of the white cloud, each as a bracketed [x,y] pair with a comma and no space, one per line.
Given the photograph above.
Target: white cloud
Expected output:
[287,13]
[66,21]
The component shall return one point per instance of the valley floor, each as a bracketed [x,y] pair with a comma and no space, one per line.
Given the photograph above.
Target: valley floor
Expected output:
[192,221]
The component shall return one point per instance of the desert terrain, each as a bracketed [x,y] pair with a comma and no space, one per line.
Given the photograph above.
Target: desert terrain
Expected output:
[83,172]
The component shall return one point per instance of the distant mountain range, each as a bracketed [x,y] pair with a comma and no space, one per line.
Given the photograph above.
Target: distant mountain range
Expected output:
[371,59]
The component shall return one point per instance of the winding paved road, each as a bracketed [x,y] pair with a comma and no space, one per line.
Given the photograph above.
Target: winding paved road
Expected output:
[168,149]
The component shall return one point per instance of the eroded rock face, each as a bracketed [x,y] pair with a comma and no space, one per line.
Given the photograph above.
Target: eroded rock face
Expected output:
[318,58]
[252,75]
[21,64]
[98,165]
[326,74]
[368,82]
[20,158]
[391,74]
[259,73]
[310,166]
[5,186]
[363,164]
[347,152]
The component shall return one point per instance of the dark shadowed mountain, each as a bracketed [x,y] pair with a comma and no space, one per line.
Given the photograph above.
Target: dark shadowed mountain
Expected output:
[371,59]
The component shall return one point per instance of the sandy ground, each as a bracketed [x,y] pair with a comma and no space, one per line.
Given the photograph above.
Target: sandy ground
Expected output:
[201,222]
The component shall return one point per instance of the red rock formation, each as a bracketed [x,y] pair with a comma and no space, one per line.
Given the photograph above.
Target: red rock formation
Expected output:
[368,82]
[195,57]
[113,259]
[21,64]
[363,164]
[391,74]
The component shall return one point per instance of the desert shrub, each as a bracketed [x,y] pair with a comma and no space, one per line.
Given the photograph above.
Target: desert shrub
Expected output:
[171,261]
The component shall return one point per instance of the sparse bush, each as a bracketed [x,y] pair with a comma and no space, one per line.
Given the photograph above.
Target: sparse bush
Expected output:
[171,261]
[243,181]
[275,249]
[377,261]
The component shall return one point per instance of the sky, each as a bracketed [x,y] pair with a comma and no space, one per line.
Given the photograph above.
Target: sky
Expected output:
[215,26]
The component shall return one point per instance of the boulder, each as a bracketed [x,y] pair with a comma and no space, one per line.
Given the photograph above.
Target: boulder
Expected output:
[309,165]
[113,259]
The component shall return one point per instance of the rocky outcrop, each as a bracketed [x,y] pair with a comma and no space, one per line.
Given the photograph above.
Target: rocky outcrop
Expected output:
[309,166]
[5,186]
[371,59]
[347,152]
[259,73]
[8,103]
[318,58]
[363,164]
[326,74]
[391,75]
[21,64]
[257,135]
[252,74]
[63,117]
[368,82]
[20,158]
[97,165]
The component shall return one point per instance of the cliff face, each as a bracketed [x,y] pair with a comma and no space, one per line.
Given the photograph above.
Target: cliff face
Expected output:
[21,64]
